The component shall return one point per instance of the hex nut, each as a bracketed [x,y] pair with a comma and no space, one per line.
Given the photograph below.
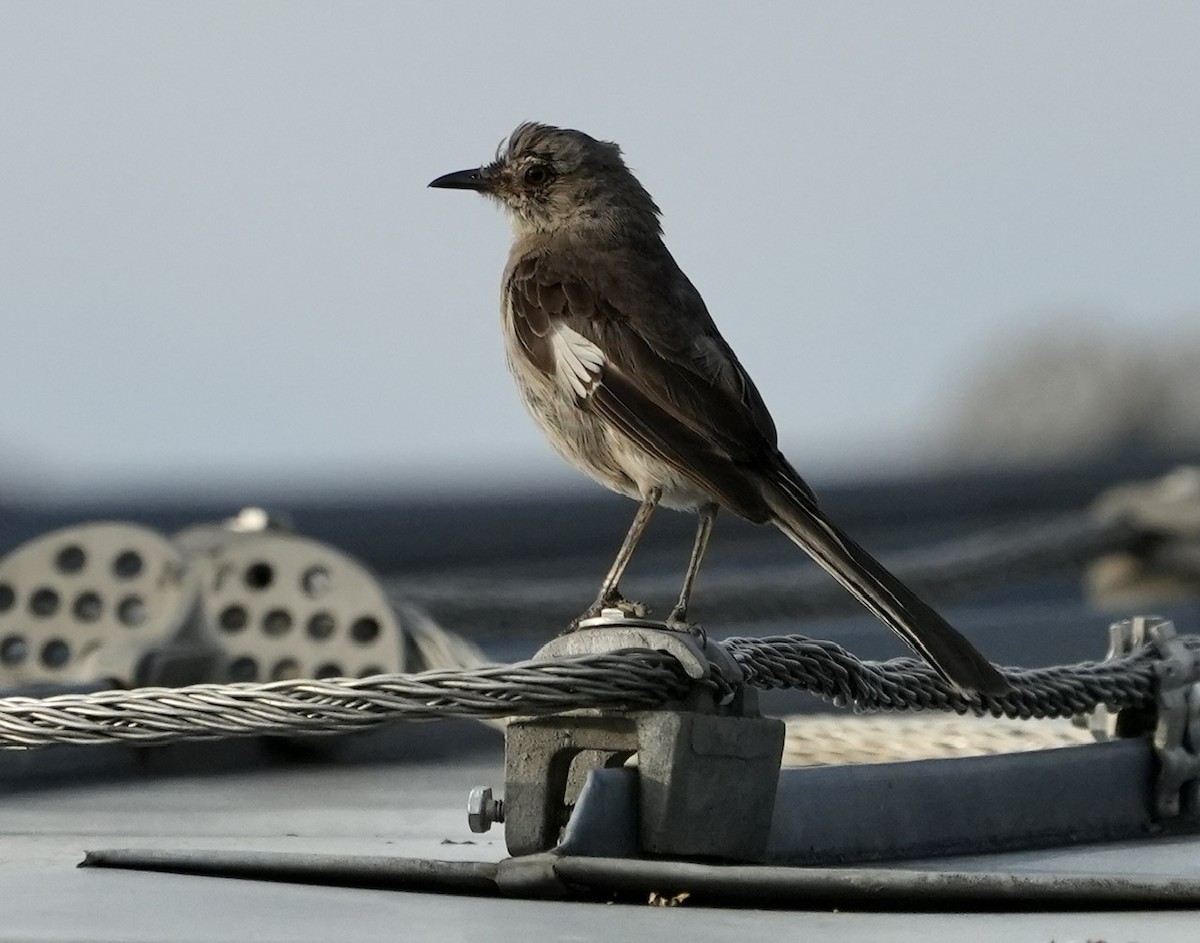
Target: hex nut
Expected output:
[483,810]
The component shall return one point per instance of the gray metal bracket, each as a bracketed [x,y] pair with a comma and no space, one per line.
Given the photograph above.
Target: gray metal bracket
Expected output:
[1173,727]
[700,657]
[707,768]
[963,805]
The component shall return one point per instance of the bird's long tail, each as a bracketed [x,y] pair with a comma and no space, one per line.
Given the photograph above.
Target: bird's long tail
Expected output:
[795,513]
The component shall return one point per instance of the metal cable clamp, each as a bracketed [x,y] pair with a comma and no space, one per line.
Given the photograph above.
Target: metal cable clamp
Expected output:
[1173,724]
[707,765]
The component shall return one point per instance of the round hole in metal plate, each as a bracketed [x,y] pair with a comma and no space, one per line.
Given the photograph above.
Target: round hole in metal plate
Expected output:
[315,581]
[88,606]
[233,618]
[13,650]
[331,669]
[321,625]
[243,669]
[43,602]
[7,597]
[277,622]
[131,611]
[365,630]
[371,670]
[55,653]
[259,575]
[127,565]
[285,670]
[71,559]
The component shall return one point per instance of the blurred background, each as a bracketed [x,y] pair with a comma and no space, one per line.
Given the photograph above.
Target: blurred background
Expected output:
[955,244]
[937,234]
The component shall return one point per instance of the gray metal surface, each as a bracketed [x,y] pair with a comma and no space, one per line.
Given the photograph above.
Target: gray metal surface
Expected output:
[102,906]
[415,810]
[978,805]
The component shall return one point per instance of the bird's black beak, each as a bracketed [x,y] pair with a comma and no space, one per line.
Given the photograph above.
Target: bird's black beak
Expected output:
[463,180]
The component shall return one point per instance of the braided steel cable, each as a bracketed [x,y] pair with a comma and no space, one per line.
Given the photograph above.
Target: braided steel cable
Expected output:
[829,671]
[340,705]
[622,679]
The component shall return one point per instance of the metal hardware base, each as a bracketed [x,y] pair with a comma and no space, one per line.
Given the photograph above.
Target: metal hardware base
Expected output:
[707,769]
[1173,728]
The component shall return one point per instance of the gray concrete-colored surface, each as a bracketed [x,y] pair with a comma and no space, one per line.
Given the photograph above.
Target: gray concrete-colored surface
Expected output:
[412,810]
[417,809]
[102,906]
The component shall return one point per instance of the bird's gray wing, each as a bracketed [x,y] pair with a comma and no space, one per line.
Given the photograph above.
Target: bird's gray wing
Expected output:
[633,344]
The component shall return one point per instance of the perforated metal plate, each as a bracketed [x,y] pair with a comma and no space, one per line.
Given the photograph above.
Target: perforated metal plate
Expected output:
[283,606]
[85,603]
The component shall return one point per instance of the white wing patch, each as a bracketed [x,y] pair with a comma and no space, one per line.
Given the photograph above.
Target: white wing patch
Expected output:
[577,361]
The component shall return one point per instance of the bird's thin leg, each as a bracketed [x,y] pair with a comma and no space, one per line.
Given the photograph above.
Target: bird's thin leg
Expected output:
[708,514]
[609,594]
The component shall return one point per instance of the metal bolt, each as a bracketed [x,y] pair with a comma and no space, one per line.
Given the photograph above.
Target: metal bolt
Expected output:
[252,520]
[483,810]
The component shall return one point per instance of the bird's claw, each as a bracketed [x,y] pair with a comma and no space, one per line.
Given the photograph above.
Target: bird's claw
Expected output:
[676,623]
[627,607]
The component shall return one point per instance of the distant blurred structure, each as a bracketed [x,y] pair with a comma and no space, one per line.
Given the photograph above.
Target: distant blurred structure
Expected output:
[1074,391]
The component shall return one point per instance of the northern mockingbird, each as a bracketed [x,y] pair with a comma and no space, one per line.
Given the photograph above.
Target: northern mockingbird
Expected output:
[616,357]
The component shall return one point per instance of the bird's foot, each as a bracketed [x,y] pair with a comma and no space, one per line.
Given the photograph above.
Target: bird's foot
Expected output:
[627,608]
[677,622]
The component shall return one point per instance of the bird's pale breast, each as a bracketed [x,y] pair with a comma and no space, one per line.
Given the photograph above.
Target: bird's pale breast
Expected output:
[558,403]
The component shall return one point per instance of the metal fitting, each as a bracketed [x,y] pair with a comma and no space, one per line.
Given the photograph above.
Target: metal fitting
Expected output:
[1173,725]
[707,765]
[483,809]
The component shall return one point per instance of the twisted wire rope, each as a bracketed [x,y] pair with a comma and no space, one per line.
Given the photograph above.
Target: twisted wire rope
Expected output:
[622,679]
[829,671]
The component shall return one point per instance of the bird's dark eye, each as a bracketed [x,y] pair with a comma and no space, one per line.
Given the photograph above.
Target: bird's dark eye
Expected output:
[536,175]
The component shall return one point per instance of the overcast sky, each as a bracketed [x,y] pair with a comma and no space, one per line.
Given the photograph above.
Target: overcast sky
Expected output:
[219,263]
